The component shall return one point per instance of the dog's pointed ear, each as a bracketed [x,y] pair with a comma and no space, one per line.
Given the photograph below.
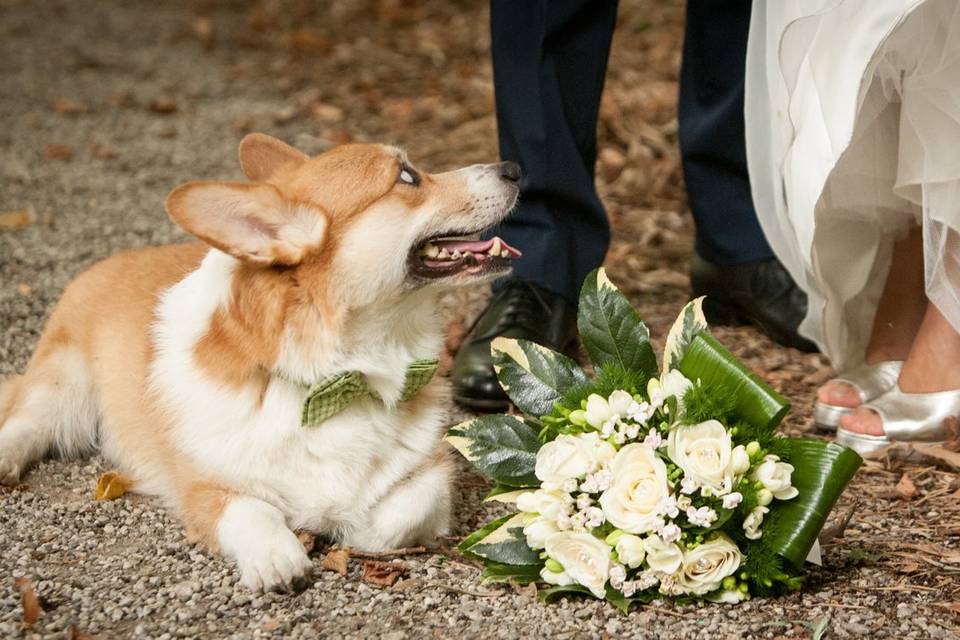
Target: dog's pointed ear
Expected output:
[251,221]
[261,155]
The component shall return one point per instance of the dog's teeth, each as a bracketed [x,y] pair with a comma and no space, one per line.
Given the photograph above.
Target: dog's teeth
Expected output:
[430,250]
[504,254]
[456,254]
[495,247]
[443,255]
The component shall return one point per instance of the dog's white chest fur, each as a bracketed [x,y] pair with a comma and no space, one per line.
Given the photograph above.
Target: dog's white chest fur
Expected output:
[335,477]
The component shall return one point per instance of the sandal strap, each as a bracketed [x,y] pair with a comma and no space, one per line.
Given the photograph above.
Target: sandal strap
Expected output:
[872,380]
[919,417]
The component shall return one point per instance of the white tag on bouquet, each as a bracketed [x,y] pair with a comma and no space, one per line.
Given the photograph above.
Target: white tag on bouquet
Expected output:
[814,555]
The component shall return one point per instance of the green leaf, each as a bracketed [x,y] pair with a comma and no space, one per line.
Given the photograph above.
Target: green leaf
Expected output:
[533,376]
[822,471]
[480,534]
[504,493]
[716,368]
[611,329]
[520,574]
[501,447]
[552,594]
[689,324]
[506,544]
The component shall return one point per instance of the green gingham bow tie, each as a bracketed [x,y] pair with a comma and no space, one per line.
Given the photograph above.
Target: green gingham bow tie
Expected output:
[332,395]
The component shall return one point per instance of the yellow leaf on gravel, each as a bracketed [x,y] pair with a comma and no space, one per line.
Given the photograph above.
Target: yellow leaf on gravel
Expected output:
[336,560]
[112,485]
[18,219]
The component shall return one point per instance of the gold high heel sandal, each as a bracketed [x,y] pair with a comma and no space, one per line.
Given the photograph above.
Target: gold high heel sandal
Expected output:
[869,380]
[912,417]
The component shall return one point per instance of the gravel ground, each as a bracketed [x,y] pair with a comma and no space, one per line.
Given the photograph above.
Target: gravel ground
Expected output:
[106,105]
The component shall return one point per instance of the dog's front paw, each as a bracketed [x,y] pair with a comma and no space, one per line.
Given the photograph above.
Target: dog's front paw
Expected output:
[278,564]
[9,471]
[269,555]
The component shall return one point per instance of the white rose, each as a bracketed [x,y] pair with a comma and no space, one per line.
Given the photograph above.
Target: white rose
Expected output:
[639,484]
[538,531]
[570,457]
[630,550]
[598,411]
[703,451]
[585,559]
[665,557]
[549,504]
[775,477]
[751,524]
[620,402]
[705,566]
[739,460]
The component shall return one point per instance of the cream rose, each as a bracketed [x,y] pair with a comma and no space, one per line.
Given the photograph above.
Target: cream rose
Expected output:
[585,559]
[775,477]
[662,556]
[639,484]
[705,566]
[630,550]
[704,453]
[570,457]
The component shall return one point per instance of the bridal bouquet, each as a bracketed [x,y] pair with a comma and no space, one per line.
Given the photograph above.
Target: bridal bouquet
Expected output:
[635,483]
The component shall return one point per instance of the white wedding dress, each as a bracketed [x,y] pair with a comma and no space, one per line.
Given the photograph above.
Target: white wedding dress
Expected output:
[853,134]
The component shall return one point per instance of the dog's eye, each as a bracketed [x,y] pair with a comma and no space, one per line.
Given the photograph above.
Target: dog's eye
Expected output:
[408,176]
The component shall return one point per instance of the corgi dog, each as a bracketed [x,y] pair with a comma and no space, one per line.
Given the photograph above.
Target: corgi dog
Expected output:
[188,366]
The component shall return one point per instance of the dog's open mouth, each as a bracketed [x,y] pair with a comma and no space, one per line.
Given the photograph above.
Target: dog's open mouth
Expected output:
[440,257]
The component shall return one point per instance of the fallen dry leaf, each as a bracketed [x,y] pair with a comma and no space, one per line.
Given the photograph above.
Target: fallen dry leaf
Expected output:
[29,601]
[65,106]
[905,489]
[112,485]
[18,219]
[307,539]
[76,634]
[163,106]
[336,560]
[382,574]
[56,151]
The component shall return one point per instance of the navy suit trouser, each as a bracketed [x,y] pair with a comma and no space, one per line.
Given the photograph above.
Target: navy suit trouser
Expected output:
[549,62]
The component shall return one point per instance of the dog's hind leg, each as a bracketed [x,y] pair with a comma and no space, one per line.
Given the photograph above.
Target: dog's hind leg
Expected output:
[51,408]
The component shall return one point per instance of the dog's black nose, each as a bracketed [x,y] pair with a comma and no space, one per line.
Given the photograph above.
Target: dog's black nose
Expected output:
[510,171]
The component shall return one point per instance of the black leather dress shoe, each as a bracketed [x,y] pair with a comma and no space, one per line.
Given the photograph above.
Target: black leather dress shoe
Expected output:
[520,310]
[758,293]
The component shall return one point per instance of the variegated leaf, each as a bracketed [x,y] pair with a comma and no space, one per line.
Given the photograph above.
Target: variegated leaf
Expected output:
[688,324]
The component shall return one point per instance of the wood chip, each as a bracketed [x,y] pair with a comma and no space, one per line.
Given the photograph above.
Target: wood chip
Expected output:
[163,106]
[28,601]
[68,107]
[905,489]
[112,485]
[24,289]
[336,560]
[56,151]
[382,574]
[18,219]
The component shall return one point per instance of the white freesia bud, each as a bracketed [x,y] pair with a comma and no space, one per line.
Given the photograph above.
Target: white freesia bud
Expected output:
[639,483]
[584,557]
[620,402]
[630,550]
[764,497]
[705,566]
[775,477]
[751,524]
[598,411]
[670,532]
[732,500]
[671,383]
[561,579]
[538,531]
[728,596]
[549,504]
[662,556]
[570,457]
[703,451]
[739,460]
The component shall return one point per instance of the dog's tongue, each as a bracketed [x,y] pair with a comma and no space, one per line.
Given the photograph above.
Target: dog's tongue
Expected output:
[476,246]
